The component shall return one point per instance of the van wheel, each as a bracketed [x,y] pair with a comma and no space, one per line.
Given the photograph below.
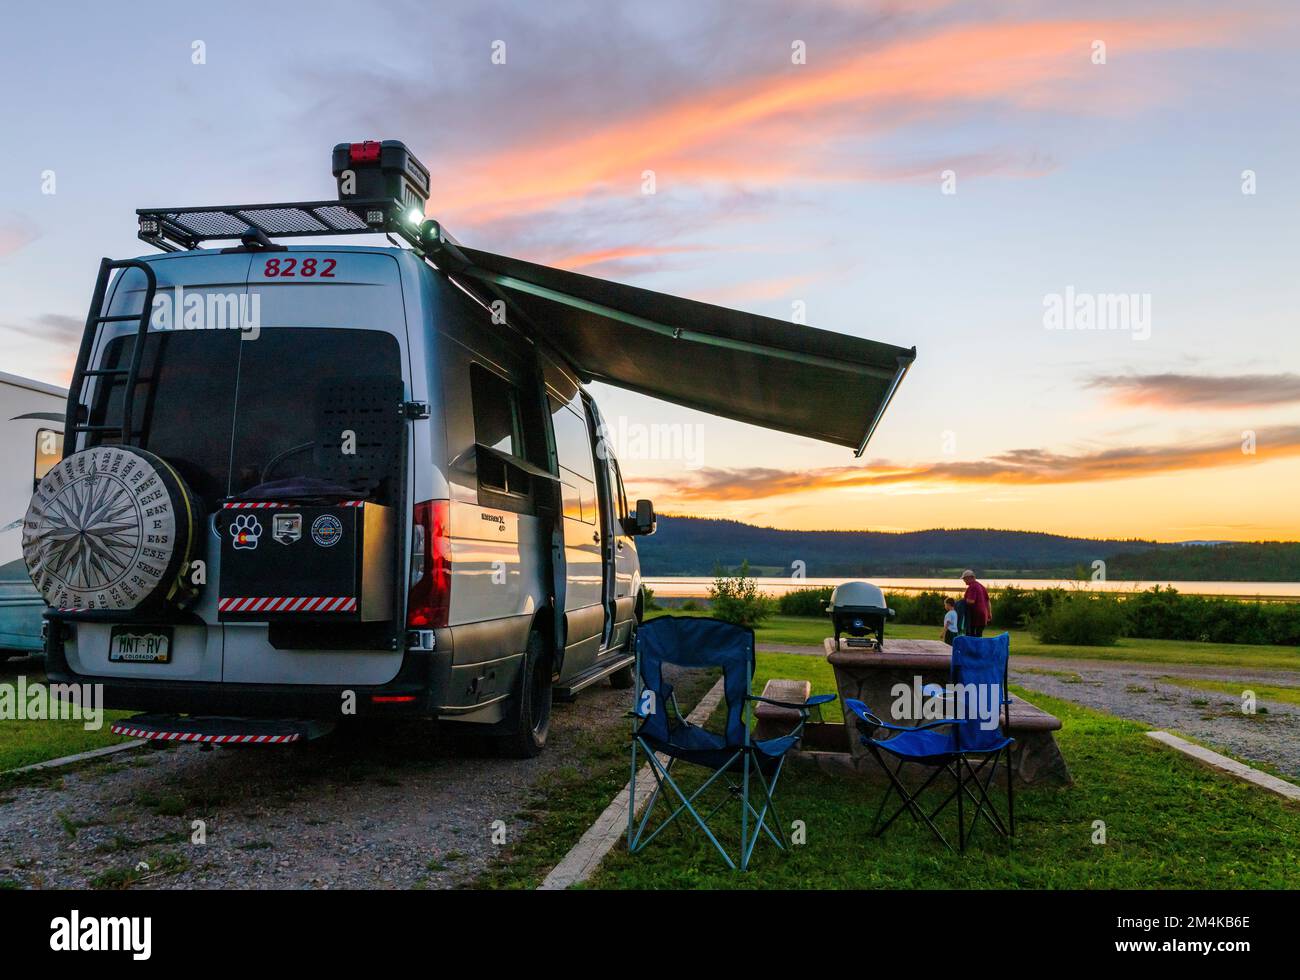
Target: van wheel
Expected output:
[532,719]
[625,677]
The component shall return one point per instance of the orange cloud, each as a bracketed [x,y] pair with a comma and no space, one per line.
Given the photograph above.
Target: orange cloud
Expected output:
[622,253]
[726,134]
[1017,467]
[1183,391]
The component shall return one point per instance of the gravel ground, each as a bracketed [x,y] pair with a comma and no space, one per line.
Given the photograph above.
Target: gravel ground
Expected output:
[366,808]
[1135,690]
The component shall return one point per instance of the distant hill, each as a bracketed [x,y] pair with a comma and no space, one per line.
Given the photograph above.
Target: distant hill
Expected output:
[1257,561]
[694,545]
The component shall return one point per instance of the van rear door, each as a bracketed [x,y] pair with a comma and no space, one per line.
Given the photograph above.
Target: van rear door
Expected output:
[316,389]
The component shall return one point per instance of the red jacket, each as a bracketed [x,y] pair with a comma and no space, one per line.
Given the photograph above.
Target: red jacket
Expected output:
[977,604]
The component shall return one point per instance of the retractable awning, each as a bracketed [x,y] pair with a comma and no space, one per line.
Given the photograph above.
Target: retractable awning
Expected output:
[754,369]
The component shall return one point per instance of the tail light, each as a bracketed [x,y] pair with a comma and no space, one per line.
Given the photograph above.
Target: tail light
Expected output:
[429,600]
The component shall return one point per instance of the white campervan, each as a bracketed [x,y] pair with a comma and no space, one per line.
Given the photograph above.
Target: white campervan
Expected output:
[320,479]
[31,441]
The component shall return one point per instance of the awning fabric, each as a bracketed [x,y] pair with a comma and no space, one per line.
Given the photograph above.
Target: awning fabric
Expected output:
[754,369]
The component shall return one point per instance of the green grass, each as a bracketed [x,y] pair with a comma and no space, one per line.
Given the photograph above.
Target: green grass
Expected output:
[1263,692]
[567,800]
[25,742]
[1168,820]
[811,630]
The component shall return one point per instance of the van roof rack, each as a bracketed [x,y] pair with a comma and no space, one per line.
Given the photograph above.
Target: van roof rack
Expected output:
[177,229]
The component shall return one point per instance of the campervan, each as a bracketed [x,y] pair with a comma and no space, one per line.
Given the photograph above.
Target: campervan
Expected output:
[304,480]
[31,441]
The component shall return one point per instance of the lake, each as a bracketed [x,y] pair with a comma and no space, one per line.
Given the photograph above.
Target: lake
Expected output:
[698,587]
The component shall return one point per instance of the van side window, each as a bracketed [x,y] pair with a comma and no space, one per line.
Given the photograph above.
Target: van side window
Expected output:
[499,425]
[49,450]
[577,466]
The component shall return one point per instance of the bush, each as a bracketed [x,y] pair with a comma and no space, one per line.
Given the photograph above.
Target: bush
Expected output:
[1165,614]
[648,602]
[805,602]
[917,609]
[1013,608]
[1082,619]
[690,605]
[736,599]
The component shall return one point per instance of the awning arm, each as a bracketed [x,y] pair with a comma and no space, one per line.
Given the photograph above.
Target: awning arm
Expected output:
[677,333]
[903,364]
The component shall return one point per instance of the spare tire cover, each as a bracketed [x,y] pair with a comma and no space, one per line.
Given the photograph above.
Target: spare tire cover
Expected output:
[111,528]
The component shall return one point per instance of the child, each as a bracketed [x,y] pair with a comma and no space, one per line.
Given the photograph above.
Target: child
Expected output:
[949,620]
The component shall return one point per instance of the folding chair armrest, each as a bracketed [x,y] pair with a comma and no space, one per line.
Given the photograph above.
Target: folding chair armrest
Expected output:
[860,709]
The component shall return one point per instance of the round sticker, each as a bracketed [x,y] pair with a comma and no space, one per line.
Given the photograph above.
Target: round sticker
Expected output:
[326,530]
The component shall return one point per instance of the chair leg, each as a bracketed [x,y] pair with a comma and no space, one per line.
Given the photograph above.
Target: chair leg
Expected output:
[961,811]
[909,800]
[686,805]
[983,803]
[1011,799]
[760,825]
[744,817]
[635,844]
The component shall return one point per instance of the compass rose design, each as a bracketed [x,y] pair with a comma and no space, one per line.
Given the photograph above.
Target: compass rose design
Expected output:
[100,531]
[90,532]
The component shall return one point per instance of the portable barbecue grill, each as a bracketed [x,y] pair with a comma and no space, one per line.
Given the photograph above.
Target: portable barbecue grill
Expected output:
[858,609]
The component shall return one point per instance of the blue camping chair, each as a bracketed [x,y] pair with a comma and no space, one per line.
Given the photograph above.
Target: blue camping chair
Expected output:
[696,643]
[971,728]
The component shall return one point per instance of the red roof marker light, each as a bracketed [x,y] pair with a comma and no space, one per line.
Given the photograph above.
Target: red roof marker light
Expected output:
[367,152]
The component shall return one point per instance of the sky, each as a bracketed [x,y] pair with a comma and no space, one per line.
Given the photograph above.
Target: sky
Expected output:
[992,183]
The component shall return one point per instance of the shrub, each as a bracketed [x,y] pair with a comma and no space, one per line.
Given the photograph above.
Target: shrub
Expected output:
[1165,614]
[1013,608]
[690,605]
[917,609]
[1082,619]
[804,602]
[648,601]
[736,599]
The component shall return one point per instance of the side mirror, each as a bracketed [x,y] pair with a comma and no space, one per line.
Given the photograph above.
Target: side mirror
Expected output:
[643,521]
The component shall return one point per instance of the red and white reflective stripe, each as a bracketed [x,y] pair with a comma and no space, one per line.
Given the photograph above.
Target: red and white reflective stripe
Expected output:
[251,604]
[122,728]
[263,504]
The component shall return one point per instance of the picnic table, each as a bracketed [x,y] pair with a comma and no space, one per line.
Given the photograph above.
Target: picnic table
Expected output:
[872,676]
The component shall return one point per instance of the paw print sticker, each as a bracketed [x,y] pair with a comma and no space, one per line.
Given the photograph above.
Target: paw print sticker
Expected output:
[246,530]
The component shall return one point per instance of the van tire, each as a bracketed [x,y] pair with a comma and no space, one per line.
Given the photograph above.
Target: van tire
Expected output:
[532,711]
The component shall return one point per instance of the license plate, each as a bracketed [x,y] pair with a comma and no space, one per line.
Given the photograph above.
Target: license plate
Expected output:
[132,645]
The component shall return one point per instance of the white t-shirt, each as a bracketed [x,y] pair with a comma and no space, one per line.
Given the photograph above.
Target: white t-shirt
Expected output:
[950,620]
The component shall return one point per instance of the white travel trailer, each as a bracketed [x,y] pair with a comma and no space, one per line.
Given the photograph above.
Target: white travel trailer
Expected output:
[326,479]
[31,441]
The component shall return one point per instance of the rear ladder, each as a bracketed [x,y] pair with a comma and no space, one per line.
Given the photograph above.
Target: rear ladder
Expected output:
[76,390]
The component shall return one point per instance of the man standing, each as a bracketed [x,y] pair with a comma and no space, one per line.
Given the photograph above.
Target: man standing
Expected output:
[978,610]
